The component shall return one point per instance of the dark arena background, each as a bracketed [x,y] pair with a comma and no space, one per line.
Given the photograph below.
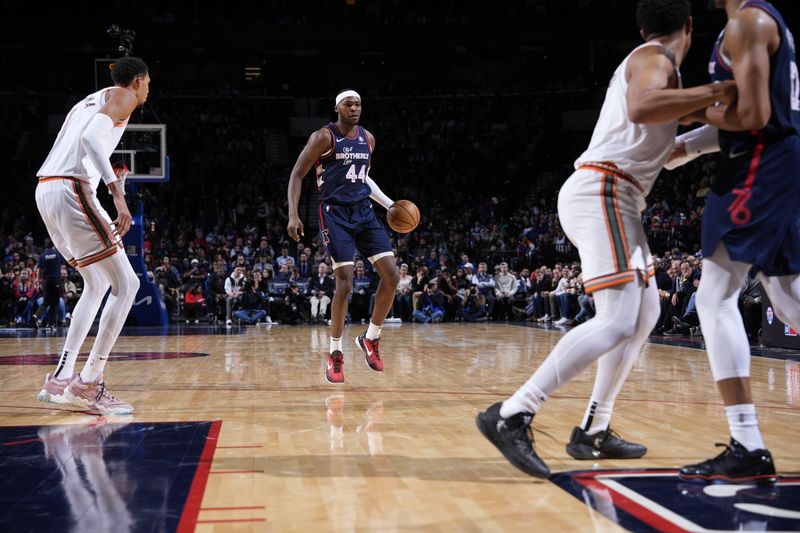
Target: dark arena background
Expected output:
[479,110]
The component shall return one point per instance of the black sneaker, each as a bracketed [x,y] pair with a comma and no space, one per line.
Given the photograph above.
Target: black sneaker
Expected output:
[604,445]
[514,438]
[735,465]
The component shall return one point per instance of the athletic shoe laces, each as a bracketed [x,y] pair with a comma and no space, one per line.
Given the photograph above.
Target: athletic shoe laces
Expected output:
[337,362]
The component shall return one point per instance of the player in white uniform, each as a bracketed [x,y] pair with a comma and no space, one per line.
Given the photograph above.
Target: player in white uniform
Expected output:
[84,233]
[600,208]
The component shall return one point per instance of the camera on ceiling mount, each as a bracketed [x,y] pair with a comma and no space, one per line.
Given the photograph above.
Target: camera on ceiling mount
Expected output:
[124,36]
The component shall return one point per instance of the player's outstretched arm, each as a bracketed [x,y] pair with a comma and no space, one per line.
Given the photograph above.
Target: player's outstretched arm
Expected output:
[378,195]
[651,98]
[375,192]
[748,38]
[319,143]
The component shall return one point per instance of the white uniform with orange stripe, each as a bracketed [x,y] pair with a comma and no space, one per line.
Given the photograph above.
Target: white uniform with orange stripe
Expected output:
[600,205]
[66,195]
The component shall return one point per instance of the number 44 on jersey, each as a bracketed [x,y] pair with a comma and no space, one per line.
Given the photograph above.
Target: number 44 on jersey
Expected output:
[352,176]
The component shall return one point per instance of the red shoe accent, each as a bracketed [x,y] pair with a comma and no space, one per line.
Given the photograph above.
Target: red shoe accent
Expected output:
[372,354]
[334,367]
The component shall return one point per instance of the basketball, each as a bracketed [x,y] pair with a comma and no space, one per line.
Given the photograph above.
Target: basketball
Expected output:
[403,216]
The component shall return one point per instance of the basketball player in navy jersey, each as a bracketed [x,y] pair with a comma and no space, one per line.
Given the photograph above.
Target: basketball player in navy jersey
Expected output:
[342,152]
[752,216]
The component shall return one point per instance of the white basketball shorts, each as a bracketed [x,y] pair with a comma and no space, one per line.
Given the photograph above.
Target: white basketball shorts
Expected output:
[78,225]
[600,209]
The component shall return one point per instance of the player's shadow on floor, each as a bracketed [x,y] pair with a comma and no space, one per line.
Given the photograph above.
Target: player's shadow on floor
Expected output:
[457,469]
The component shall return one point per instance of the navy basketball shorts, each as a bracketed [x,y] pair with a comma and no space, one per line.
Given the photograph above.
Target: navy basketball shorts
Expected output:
[347,228]
[757,212]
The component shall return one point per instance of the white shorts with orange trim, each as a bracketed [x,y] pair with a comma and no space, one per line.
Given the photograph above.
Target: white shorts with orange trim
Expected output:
[600,210]
[78,225]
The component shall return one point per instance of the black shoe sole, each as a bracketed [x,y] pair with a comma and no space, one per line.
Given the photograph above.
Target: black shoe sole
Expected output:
[765,479]
[487,431]
[585,453]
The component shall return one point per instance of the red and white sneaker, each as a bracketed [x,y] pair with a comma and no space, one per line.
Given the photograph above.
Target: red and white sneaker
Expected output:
[95,397]
[53,389]
[334,367]
[371,354]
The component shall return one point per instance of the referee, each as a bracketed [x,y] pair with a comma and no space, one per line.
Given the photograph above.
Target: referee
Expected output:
[49,271]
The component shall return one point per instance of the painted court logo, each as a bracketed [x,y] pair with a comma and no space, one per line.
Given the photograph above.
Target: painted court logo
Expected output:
[657,500]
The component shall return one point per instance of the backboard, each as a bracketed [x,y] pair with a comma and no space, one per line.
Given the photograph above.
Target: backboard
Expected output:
[143,149]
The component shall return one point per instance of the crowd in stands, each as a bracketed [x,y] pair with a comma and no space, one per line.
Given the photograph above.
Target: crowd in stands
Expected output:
[489,247]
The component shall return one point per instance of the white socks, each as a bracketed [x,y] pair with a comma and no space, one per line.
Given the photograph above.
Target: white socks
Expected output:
[373,331]
[528,399]
[597,417]
[743,424]
[336,344]
[66,364]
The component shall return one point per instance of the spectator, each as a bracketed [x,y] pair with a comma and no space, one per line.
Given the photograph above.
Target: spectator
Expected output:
[233,292]
[484,281]
[250,304]
[216,289]
[320,288]
[473,307]
[196,273]
[402,299]
[362,290]
[505,288]
[428,311]
[194,303]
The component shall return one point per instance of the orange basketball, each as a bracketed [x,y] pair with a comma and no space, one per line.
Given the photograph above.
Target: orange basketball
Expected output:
[403,216]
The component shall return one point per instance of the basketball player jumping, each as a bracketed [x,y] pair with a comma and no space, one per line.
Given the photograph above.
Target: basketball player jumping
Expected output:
[83,232]
[631,141]
[751,218]
[347,223]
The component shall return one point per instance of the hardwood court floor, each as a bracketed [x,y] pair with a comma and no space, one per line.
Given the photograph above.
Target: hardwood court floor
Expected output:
[400,450]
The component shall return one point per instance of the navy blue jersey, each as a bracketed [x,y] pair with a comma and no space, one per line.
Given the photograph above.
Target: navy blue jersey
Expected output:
[50,262]
[344,168]
[784,89]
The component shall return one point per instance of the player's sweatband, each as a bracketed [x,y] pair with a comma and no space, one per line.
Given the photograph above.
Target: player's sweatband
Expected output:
[92,140]
[377,194]
[697,142]
[346,94]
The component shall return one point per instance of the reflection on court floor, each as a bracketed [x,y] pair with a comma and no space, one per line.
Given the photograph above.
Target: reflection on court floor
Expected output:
[101,475]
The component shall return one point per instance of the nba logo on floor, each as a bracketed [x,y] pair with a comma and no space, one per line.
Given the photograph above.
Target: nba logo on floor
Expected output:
[656,500]
[789,331]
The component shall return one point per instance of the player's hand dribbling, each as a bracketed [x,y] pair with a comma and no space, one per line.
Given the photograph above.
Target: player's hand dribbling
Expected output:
[295,227]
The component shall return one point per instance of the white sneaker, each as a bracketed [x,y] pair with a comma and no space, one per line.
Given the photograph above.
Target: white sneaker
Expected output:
[560,321]
[545,318]
[268,320]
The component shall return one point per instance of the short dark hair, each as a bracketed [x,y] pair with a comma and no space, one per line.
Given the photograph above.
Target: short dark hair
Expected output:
[662,17]
[126,69]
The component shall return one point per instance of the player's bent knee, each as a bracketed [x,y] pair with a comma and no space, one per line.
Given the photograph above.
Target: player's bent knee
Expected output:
[392,278]
[343,290]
